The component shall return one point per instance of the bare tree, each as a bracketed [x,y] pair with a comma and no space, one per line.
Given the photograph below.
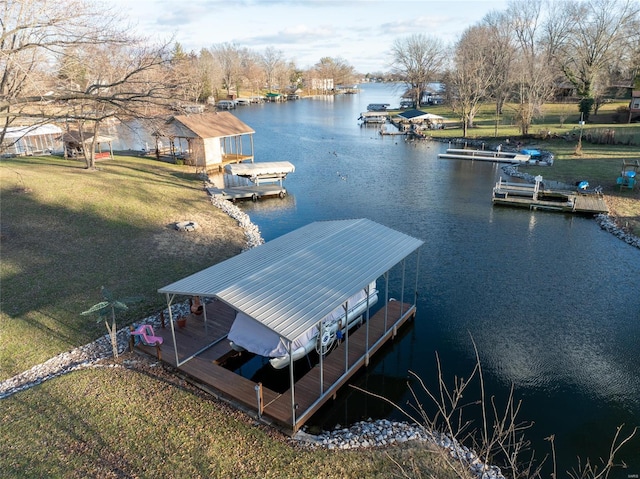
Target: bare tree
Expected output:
[253,71]
[103,72]
[601,30]
[211,72]
[34,33]
[418,60]
[229,58]
[118,82]
[471,77]
[272,62]
[534,80]
[337,70]
[501,54]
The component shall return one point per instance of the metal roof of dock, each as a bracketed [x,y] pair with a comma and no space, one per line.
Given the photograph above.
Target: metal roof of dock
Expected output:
[290,283]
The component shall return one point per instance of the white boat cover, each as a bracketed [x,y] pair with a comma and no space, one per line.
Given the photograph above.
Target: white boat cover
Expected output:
[268,168]
[258,339]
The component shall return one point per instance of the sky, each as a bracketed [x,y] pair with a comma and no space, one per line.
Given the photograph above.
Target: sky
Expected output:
[358,31]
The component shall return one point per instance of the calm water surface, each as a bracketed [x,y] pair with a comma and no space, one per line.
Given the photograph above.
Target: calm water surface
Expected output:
[552,302]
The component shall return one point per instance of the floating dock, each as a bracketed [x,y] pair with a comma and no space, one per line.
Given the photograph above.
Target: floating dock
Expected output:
[535,197]
[486,155]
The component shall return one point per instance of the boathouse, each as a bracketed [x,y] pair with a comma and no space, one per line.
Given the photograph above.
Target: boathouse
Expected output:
[207,140]
[288,286]
[419,118]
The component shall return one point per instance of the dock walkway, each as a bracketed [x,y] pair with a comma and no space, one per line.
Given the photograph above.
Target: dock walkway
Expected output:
[534,197]
[205,342]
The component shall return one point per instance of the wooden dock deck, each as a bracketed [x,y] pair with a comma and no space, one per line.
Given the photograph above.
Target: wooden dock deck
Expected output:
[205,343]
[525,195]
[485,155]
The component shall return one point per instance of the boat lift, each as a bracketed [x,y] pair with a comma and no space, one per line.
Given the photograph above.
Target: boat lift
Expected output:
[253,180]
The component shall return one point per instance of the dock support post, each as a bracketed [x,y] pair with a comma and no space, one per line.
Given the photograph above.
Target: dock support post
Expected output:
[260,399]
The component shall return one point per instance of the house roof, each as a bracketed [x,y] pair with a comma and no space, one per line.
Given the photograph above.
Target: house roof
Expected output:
[207,125]
[418,115]
[290,283]
[32,130]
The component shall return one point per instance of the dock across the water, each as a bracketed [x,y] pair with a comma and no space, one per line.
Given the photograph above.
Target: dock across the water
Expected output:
[485,155]
[536,197]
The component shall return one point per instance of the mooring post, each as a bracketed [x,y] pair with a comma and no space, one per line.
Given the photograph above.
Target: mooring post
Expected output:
[259,398]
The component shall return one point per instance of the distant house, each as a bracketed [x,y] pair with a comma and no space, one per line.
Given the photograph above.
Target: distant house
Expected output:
[207,140]
[31,140]
[322,84]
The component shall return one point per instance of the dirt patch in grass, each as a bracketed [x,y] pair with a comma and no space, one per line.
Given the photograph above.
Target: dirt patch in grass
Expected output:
[210,234]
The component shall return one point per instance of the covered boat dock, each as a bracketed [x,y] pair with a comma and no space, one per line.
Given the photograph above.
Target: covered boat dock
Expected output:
[289,285]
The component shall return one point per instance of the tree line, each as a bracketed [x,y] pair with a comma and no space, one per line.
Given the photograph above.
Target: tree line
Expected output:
[80,62]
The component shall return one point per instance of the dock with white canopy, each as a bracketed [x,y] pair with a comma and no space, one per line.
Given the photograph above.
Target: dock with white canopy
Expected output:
[289,285]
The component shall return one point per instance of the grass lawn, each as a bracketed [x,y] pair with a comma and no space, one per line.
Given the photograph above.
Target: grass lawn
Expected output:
[133,421]
[66,231]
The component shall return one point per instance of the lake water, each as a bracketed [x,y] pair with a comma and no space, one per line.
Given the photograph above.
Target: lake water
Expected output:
[551,301]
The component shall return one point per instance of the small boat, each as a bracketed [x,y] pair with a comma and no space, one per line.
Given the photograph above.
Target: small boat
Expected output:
[226,105]
[247,334]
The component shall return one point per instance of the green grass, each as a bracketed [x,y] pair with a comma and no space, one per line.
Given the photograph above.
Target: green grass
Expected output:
[66,231]
[119,422]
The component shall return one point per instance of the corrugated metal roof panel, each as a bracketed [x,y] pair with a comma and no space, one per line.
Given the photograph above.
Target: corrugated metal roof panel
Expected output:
[292,282]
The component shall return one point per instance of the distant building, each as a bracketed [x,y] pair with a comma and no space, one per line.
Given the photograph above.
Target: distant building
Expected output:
[322,84]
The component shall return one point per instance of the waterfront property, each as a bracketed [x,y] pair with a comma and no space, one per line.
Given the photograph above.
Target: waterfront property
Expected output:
[287,286]
[536,197]
[209,140]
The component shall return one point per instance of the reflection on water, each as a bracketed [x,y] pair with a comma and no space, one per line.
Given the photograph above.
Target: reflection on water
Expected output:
[551,301]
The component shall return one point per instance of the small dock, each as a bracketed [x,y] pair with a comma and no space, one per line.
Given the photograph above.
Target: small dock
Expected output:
[204,351]
[485,155]
[253,180]
[535,197]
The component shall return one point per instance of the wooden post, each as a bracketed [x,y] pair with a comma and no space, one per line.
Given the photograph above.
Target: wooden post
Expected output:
[162,324]
[158,352]
[260,399]
[131,340]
